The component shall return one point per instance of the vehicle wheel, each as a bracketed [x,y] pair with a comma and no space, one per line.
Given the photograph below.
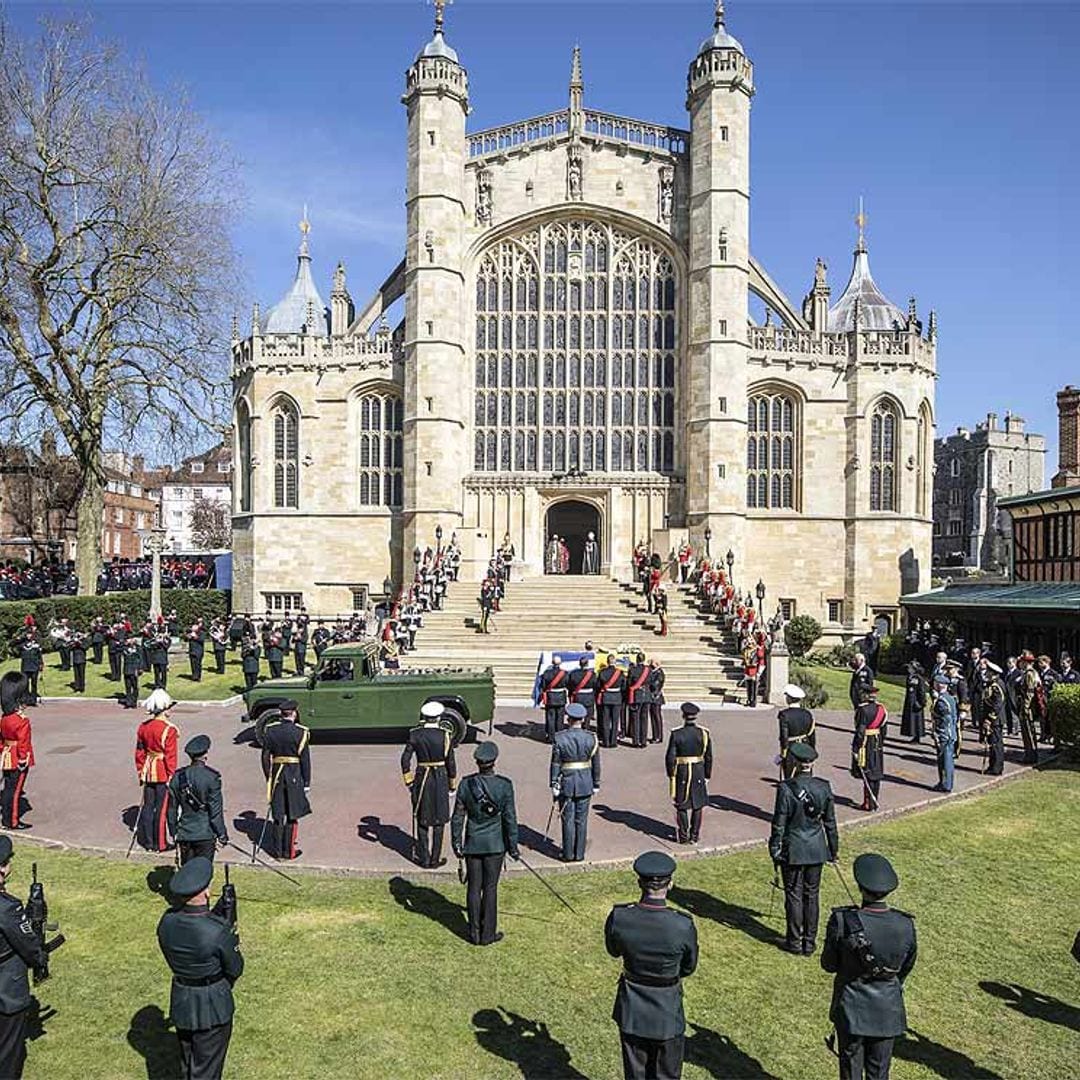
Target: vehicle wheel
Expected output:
[455,723]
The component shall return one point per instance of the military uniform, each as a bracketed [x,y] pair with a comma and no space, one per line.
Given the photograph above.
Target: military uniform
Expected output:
[638,699]
[300,644]
[275,655]
[249,663]
[196,651]
[98,635]
[132,666]
[320,640]
[659,948]
[30,666]
[796,726]
[16,754]
[219,641]
[611,682]
[195,808]
[870,950]
[868,750]
[155,762]
[582,682]
[688,762]
[945,727]
[656,703]
[202,950]
[483,829]
[115,640]
[553,692]
[862,679]
[993,714]
[430,786]
[20,951]
[157,656]
[78,662]
[574,776]
[803,839]
[286,763]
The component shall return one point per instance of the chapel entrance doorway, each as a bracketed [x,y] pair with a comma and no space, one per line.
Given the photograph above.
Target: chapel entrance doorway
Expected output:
[571,521]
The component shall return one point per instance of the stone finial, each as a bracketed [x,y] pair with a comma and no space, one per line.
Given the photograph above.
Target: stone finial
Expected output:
[339,280]
[820,269]
[860,222]
[718,22]
[235,328]
[932,329]
[255,318]
[305,228]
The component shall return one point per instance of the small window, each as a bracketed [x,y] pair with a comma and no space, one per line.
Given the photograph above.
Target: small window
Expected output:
[954,467]
[787,609]
[836,611]
[116,543]
[937,528]
[724,133]
[178,517]
[359,598]
[224,467]
[954,528]
[197,466]
[283,601]
[954,497]
[196,493]
[140,520]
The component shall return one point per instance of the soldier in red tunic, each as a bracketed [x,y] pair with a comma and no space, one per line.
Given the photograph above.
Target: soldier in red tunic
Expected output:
[155,762]
[17,752]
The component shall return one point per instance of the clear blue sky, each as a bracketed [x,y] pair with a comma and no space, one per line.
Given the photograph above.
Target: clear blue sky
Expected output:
[956,121]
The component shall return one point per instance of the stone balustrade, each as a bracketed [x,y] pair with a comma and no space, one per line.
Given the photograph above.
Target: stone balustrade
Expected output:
[789,341]
[637,132]
[511,136]
[381,350]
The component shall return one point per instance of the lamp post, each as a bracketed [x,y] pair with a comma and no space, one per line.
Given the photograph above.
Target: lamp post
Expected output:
[416,557]
[708,537]
[438,539]
[759,591]
[154,542]
[387,586]
[729,558]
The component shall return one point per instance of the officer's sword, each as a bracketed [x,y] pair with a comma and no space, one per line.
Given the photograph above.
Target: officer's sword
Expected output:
[546,884]
[264,863]
[866,785]
[836,866]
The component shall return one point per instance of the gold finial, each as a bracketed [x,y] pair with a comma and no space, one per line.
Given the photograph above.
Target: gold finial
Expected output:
[440,13]
[719,23]
[305,228]
[860,221]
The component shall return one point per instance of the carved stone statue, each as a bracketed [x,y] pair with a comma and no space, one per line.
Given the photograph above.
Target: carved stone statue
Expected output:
[667,192]
[573,174]
[483,197]
[723,243]
[819,272]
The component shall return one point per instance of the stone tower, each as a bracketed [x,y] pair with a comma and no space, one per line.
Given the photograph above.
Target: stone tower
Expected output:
[437,377]
[720,85]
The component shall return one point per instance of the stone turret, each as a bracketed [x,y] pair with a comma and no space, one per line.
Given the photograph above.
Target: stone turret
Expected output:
[720,85]
[341,305]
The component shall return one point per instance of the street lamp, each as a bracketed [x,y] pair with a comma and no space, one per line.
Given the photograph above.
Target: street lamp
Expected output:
[759,591]
[438,539]
[708,537]
[729,558]
[387,586]
[416,556]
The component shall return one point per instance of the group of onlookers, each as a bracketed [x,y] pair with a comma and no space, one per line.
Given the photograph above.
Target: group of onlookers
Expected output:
[121,575]
[23,582]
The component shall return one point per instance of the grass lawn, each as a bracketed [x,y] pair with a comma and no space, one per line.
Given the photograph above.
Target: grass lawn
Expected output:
[369,978]
[56,683]
[837,680]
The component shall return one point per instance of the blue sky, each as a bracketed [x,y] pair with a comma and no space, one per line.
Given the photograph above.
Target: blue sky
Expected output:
[955,121]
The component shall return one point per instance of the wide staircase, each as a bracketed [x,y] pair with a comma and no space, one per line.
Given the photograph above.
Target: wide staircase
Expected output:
[555,613]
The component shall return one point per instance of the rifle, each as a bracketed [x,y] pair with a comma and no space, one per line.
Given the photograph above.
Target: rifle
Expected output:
[226,906]
[37,911]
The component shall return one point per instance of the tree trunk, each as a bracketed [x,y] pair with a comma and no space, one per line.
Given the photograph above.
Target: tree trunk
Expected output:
[89,514]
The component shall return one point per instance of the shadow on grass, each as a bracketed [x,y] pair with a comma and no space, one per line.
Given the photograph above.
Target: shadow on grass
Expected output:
[151,1037]
[947,1063]
[526,1043]
[392,837]
[720,1057]
[706,906]
[422,900]
[1034,1004]
[35,1019]
[641,823]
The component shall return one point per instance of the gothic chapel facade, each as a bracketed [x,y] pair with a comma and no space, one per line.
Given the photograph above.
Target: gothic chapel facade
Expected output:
[577,354]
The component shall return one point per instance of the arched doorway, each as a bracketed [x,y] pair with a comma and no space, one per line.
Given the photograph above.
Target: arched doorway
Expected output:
[572,521]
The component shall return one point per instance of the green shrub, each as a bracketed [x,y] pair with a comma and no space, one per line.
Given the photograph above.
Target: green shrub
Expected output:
[801,633]
[190,604]
[1065,716]
[893,655]
[839,656]
[816,694]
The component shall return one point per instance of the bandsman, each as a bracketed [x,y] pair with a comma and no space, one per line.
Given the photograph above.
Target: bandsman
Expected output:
[574,776]
[219,640]
[249,661]
[430,786]
[796,726]
[77,646]
[202,949]
[30,663]
[553,691]
[17,753]
[689,761]
[870,950]
[320,639]
[132,663]
[803,838]
[286,762]
[275,654]
[157,654]
[483,831]
[196,648]
[155,762]
[300,643]
[195,808]
[658,947]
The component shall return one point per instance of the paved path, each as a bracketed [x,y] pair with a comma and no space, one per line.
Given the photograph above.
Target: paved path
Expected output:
[84,781]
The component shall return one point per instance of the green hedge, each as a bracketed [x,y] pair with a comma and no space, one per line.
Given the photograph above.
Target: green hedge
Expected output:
[190,604]
[801,633]
[816,694]
[1065,716]
[894,654]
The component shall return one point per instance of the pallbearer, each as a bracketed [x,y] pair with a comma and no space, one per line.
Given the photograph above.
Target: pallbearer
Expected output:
[553,691]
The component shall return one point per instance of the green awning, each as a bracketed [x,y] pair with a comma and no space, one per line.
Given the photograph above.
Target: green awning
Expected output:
[1028,596]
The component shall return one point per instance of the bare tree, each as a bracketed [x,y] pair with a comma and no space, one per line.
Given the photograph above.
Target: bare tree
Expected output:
[211,524]
[115,267]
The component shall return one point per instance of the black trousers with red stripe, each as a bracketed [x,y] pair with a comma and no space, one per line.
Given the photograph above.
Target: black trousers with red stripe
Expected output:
[11,796]
[153,828]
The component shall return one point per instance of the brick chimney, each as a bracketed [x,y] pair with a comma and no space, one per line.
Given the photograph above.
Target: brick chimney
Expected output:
[1068,403]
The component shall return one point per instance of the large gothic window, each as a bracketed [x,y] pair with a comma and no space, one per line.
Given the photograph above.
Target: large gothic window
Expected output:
[576,338]
[243,455]
[285,421]
[772,452]
[381,419]
[884,449]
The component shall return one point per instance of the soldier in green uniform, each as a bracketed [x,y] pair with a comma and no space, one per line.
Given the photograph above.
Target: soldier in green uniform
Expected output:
[689,765]
[202,949]
[157,656]
[249,661]
[194,810]
[196,649]
[871,950]
[430,786]
[132,665]
[659,948]
[803,839]
[483,830]
[22,951]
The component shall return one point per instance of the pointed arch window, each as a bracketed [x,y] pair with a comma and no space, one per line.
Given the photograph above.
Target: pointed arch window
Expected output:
[381,449]
[560,308]
[773,452]
[285,421]
[243,455]
[884,453]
